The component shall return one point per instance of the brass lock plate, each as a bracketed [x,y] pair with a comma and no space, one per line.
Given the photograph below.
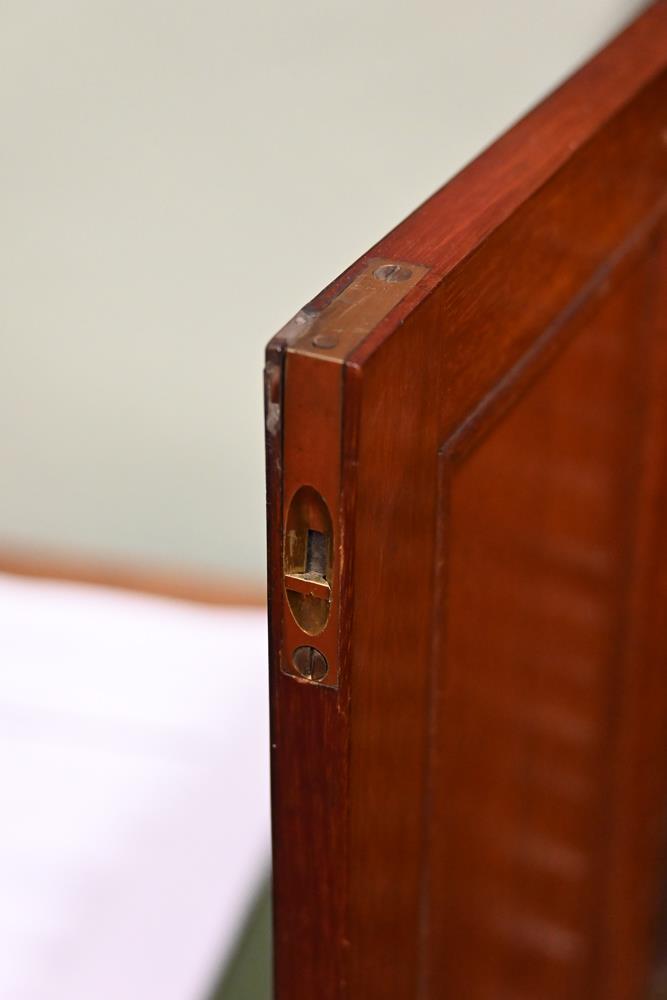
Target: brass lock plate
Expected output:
[314,560]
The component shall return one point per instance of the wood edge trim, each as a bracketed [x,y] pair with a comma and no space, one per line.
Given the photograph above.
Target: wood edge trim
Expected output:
[610,80]
[472,216]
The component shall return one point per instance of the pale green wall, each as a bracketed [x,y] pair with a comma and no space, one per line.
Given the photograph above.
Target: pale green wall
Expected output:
[178,178]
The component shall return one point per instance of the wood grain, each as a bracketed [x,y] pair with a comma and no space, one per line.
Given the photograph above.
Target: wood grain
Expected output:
[477,810]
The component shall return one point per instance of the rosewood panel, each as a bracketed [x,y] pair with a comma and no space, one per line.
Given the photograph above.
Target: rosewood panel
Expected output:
[536,550]
[476,809]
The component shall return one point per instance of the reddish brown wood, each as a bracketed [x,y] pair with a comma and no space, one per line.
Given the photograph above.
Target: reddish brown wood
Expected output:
[477,810]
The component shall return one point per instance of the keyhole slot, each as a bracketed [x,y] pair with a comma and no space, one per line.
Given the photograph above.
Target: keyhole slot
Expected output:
[307,559]
[316,553]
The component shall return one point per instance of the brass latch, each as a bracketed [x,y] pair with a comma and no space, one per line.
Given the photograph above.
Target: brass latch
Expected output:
[307,558]
[318,342]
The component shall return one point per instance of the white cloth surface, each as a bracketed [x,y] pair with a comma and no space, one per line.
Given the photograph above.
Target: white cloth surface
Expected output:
[134,780]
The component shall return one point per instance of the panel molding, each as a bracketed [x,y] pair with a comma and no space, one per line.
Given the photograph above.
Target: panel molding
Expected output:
[480,425]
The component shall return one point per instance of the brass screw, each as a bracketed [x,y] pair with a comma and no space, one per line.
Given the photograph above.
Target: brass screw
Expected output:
[310,663]
[392,273]
[326,340]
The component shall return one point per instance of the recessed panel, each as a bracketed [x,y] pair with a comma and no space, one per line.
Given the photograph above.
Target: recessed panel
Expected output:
[538,538]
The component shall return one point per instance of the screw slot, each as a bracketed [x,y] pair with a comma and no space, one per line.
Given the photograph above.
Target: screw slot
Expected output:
[310,663]
[392,273]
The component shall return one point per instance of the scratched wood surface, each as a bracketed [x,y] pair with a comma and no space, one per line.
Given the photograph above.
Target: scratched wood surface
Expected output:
[477,808]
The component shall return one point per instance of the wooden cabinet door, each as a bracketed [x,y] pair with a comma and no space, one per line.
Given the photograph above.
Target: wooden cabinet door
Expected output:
[467,475]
